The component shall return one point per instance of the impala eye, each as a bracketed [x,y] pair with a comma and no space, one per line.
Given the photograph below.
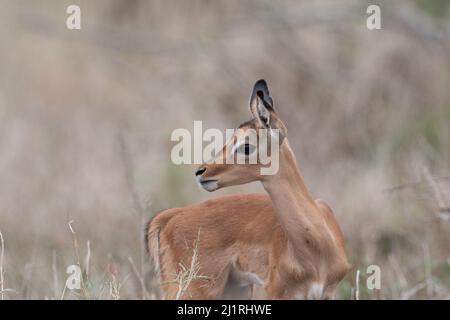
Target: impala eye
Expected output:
[246,149]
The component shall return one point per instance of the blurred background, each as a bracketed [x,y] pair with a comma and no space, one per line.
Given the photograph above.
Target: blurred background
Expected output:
[86,118]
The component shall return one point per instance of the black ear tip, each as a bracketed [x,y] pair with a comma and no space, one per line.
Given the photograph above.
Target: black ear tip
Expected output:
[261,87]
[261,83]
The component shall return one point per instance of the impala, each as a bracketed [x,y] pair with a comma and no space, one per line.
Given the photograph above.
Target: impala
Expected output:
[284,243]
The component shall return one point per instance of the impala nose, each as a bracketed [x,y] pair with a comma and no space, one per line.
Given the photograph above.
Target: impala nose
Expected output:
[200,171]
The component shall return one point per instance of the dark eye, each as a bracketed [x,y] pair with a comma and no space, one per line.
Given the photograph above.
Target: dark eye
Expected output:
[246,149]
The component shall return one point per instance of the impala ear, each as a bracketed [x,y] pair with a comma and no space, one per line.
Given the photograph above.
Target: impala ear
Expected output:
[261,103]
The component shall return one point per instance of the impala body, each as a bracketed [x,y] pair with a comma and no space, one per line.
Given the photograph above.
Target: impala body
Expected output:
[284,244]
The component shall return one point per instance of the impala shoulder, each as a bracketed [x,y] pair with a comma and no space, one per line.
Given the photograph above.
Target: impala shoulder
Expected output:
[329,216]
[324,206]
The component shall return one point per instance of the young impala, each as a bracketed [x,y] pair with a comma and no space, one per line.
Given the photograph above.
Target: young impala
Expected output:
[286,243]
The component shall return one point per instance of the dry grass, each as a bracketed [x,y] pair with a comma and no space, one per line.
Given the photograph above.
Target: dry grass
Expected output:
[86,117]
[2,254]
[189,273]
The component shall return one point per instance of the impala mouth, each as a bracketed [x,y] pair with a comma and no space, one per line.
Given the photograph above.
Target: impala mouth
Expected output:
[208,185]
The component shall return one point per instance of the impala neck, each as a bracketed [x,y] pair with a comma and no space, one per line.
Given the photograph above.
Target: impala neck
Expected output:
[296,209]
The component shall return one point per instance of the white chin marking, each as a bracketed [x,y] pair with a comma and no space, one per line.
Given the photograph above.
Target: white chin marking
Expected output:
[209,185]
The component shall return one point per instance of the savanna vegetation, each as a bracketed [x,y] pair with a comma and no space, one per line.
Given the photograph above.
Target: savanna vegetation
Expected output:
[86,117]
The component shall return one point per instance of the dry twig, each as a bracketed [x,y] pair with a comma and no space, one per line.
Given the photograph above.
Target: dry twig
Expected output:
[2,248]
[77,257]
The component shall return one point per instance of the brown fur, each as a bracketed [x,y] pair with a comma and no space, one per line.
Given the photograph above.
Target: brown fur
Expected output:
[291,242]
[238,231]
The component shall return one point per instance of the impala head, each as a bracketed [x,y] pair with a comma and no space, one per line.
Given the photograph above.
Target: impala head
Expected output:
[250,149]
